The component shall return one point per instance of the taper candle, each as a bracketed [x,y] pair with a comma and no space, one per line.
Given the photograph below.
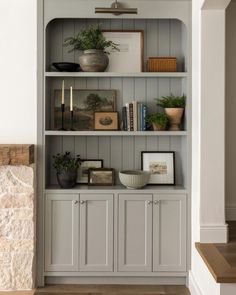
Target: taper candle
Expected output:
[71,98]
[63,93]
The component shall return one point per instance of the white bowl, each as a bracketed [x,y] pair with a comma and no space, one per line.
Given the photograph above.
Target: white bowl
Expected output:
[134,179]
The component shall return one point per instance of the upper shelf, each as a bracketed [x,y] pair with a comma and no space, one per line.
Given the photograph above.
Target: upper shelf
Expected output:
[115,75]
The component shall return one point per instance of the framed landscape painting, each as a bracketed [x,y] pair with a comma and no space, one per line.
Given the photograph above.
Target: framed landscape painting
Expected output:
[85,104]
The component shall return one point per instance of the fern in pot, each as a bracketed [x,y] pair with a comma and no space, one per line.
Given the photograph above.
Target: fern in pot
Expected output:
[174,109]
[66,167]
[159,121]
[94,45]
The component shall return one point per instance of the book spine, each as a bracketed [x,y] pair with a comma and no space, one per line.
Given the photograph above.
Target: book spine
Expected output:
[135,115]
[144,117]
[131,116]
[124,118]
[127,116]
[139,116]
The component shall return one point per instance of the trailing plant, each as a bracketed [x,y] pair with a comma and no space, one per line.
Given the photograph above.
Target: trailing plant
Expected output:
[172,101]
[160,119]
[90,38]
[65,162]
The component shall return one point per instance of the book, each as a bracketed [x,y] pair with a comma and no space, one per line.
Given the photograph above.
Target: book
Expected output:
[124,119]
[131,116]
[127,116]
[135,115]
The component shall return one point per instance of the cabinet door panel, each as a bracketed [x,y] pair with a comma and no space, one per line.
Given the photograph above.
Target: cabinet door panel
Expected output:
[135,232]
[169,233]
[61,232]
[96,232]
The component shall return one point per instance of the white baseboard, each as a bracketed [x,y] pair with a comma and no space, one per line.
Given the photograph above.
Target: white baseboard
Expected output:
[212,233]
[230,211]
[193,286]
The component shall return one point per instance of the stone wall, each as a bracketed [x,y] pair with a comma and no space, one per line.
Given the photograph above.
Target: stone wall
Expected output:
[17,227]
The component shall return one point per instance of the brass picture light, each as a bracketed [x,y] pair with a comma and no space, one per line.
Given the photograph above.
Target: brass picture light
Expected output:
[116,9]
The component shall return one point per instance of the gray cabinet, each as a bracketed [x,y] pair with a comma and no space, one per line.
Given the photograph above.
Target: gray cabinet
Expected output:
[169,233]
[61,232]
[96,232]
[135,232]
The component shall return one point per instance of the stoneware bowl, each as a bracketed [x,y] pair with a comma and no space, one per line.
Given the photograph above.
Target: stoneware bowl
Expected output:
[134,179]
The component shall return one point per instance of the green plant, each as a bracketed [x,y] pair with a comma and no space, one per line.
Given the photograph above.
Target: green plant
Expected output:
[158,118]
[90,38]
[65,162]
[172,101]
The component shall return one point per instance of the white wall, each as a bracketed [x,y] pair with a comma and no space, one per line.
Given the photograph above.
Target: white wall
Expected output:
[18,71]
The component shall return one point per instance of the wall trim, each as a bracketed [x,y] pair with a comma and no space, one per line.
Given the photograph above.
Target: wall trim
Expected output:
[214,233]
[230,211]
[193,286]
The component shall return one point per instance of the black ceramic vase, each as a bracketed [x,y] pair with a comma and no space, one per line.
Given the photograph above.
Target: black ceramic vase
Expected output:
[67,179]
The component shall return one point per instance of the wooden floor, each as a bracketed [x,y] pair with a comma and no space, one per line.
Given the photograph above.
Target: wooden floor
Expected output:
[105,290]
[221,258]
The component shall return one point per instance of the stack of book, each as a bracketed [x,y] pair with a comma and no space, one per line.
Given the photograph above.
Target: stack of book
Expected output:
[134,116]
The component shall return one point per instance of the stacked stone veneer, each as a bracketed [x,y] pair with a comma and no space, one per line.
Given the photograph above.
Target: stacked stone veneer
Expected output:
[17,227]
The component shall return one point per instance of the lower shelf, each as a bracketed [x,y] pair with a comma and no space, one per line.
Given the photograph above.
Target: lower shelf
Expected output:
[117,188]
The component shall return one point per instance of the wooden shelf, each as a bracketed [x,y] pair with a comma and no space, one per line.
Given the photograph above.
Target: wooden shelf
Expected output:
[178,189]
[115,133]
[115,75]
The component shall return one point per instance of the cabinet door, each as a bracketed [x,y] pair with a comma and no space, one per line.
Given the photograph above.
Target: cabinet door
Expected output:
[96,232]
[169,233]
[61,232]
[135,232]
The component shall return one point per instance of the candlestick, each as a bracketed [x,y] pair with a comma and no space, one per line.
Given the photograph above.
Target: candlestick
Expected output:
[72,121]
[71,99]
[63,93]
[62,117]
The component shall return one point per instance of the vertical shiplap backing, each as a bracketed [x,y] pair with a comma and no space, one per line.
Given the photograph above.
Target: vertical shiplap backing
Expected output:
[162,37]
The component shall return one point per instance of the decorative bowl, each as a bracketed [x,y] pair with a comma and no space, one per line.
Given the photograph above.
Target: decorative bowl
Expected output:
[66,66]
[134,179]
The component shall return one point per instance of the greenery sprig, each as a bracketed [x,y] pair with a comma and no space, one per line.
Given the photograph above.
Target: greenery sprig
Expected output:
[172,101]
[65,162]
[158,118]
[90,38]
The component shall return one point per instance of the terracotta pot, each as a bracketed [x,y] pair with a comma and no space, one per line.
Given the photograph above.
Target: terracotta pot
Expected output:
[93,61]
[175,117]
[157,127]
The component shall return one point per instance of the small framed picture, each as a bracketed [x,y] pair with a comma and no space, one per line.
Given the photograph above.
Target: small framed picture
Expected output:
[83,171]
[106,121]
[161,165]
[101,176]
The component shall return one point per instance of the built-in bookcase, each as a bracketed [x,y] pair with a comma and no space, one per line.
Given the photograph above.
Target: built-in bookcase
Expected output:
[162,37]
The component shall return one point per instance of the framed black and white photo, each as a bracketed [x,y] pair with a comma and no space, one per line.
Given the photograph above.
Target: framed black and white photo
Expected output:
[83,170]
[129,58]
[85,103]
[161,165]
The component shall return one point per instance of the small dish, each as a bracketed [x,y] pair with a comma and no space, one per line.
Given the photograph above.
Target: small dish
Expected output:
[66,66]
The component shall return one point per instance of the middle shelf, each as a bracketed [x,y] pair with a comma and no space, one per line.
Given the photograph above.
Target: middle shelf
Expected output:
[115,133]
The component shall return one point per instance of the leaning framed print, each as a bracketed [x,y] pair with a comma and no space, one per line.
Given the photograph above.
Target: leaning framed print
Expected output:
[101,176]
[130,57]
[161,165]
[85,103]
[83,170]
[105,121]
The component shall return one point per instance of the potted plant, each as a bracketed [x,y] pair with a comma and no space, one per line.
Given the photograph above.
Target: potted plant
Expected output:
[66,167]
[159,121]
[174,109]
[92,42]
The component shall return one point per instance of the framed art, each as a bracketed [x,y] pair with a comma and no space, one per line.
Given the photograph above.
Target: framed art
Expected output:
[106,121]
[85,103]
[83,170]
[101,176]
[130,56]
[161,165]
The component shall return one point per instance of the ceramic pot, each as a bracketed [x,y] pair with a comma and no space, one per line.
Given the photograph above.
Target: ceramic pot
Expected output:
[175,117]
[93,61]
[157,127]
[67,179]
[134,179]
